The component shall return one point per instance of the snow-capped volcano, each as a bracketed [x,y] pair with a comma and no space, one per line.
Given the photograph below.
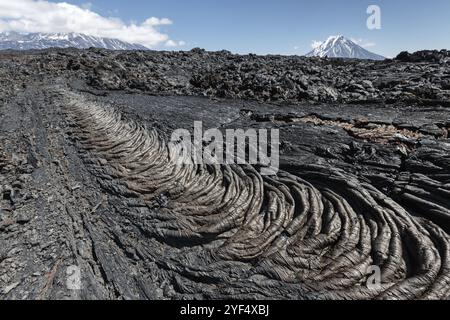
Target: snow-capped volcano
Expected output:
[27,41]
[341,47]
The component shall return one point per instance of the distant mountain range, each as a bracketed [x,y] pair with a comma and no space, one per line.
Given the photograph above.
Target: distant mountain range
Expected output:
[341,47]
[333,47]
[22,41]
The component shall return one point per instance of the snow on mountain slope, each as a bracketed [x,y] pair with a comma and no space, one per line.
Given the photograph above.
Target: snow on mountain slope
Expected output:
[21,41]
[341,47]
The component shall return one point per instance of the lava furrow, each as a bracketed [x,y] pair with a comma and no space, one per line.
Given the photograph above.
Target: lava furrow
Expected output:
[316,230]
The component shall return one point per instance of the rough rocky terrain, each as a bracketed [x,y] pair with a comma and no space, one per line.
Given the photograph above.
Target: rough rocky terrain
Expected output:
[87,178]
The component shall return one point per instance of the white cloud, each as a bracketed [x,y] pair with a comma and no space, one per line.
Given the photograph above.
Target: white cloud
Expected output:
[315,44]
[45,16]
[369,44]
[172,44]
[363,43]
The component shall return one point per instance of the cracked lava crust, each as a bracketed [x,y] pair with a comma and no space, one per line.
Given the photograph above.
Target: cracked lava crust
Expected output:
[88,178]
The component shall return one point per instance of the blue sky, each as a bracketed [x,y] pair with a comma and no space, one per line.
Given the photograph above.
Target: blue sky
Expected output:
[287,26]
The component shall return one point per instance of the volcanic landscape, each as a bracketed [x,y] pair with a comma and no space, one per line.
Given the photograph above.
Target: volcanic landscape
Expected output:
[87,177]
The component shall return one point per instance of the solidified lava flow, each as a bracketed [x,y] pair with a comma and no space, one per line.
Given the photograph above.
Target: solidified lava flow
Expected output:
[325,229]
[89,179]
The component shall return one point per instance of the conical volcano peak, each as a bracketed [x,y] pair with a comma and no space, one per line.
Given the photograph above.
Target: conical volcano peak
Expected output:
[340,47]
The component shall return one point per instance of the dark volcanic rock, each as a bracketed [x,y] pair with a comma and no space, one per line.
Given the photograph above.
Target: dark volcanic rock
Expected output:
[435,56]
[87,182]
